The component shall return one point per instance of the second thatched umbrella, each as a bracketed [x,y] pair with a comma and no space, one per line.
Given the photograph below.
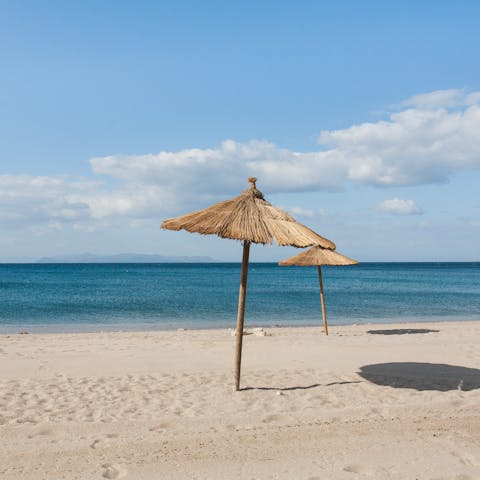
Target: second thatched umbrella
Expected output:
[250,218]
[318,256]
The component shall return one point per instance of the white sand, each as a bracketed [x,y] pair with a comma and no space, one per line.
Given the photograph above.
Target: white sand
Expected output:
[160,405]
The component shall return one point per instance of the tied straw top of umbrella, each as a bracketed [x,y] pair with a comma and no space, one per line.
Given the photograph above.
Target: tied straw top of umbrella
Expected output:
[248,217]
[318,256]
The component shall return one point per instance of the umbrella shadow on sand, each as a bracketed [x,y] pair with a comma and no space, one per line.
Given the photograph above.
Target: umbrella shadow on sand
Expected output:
[300,387]
[422,376]
[402,331]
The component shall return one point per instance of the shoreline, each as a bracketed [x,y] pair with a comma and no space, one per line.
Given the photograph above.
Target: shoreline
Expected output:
[37,329]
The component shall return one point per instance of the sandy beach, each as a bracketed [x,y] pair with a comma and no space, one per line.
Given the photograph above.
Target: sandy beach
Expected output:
[369,401]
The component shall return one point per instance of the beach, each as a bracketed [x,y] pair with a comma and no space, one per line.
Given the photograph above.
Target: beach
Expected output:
[396,401]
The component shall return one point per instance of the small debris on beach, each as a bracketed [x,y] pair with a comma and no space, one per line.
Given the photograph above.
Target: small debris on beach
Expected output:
[259,332]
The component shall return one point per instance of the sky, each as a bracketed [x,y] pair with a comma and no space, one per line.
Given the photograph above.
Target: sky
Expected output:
[361,119]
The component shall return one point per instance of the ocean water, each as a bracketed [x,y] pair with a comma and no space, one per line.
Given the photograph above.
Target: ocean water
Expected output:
[90,297]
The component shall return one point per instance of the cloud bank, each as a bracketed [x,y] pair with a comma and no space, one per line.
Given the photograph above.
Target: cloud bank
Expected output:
[435,135]
[426,140]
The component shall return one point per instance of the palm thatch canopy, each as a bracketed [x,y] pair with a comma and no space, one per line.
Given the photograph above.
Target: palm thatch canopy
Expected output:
[318,256]
[251,218]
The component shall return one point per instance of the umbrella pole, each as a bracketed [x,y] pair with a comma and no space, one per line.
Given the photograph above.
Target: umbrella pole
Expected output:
[241,313]
[322,300]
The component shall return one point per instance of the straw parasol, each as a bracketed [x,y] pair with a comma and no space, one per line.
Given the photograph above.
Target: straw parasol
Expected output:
[318,256]
[251,219]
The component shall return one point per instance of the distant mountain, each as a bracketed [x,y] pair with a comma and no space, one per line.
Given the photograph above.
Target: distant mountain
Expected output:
[124,258]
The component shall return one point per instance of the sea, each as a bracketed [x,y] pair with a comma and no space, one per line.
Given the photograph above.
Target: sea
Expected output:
[159,296]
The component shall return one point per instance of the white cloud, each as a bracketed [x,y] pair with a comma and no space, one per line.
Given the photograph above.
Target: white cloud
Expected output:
[443,99]
[41,199]
[424,143]
[300,211]
[433,136]
[50,202]
[397,206]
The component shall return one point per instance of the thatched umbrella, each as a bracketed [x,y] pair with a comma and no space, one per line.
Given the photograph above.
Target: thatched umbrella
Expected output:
[250,218]
[318,256]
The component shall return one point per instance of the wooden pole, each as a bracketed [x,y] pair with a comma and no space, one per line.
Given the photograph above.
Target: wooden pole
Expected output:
[241,313]
[322,300]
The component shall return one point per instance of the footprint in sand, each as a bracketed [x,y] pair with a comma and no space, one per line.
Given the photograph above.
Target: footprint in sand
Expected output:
[466,458]
[272,418]
[111,470]
[46,431]
[160,427]
[360,469]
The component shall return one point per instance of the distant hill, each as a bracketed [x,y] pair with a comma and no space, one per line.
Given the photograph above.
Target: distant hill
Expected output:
[124,258]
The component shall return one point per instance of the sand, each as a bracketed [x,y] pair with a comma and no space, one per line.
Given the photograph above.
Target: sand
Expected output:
[160,405]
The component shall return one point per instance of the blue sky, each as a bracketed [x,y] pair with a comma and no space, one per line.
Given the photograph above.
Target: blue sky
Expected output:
[360,118]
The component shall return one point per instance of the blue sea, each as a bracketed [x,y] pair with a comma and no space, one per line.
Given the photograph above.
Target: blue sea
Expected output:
[92,297]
